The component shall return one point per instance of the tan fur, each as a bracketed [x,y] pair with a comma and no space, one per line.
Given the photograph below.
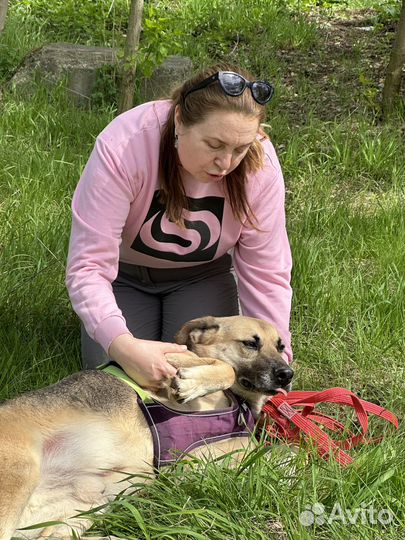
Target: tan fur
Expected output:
[70,447]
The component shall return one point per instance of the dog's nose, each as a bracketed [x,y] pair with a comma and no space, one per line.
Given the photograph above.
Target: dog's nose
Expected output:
[283,376]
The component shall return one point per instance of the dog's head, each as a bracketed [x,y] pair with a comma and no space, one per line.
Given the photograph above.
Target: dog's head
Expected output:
[251,346]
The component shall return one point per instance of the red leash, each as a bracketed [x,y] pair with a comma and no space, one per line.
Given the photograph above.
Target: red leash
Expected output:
[287,416]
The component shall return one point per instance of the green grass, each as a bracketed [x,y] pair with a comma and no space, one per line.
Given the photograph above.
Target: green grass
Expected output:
[267,496]
[248,32]
[345,200]
[18,39]
[45,143]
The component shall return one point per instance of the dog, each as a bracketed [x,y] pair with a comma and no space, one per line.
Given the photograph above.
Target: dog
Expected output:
[70,447]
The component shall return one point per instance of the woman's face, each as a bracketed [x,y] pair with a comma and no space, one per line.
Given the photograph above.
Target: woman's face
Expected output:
[213,148]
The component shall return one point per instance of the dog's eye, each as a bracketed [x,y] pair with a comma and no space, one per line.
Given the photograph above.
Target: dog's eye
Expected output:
[251,344]
[280,345]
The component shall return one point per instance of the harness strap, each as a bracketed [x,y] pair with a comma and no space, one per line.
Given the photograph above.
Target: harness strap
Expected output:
[120,374]
[289,422]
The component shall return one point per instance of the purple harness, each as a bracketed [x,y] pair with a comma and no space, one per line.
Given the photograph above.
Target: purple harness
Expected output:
[175,433]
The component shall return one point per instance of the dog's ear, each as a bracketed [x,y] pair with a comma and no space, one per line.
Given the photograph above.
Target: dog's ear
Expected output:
[197,331]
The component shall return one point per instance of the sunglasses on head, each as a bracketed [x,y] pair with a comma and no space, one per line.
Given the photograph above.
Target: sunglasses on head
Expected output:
[233,84]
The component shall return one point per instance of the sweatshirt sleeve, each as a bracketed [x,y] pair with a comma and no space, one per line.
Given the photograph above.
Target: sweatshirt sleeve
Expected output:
[262,257]
[100,208]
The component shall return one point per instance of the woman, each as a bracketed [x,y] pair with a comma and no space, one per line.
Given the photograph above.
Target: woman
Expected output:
[170,189]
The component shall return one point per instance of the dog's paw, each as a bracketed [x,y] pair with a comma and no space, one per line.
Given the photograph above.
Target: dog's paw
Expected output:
[187,385]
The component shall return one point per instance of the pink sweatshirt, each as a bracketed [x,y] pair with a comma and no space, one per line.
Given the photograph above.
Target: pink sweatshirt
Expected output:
[116,217]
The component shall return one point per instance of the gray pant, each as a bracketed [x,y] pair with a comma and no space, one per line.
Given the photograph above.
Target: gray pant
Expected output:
[157,302]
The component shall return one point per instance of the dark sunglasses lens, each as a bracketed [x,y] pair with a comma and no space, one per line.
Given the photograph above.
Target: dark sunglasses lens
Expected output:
[233,83]
[262,91]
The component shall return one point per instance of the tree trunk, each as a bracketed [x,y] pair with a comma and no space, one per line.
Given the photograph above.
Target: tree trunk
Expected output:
[392,84]
[3,13]
[128,64]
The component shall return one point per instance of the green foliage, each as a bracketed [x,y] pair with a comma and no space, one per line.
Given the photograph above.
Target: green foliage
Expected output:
[105,91]
[160,37]
[345,217]
[262,498]
[248,32]
[386,12]
[156,42]
[101,22]
[17,39]
[91,22]
[308,5]
[370,93]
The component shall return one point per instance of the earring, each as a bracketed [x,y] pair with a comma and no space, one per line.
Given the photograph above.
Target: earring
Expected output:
[176,140]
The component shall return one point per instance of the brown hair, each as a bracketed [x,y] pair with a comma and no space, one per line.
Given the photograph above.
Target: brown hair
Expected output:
[193,110]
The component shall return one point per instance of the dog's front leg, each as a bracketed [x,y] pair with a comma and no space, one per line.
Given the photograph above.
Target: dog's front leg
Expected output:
[19,475]
[197,377]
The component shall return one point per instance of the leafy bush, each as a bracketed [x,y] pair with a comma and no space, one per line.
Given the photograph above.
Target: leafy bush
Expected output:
[105,91]
[160,37]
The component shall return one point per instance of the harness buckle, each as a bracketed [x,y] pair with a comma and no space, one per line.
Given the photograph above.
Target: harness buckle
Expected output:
[242,412]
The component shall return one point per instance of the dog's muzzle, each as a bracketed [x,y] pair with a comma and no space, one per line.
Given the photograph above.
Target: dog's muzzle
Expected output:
[266,381]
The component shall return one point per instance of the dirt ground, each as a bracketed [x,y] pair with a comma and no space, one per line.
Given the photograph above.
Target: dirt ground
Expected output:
[346,73]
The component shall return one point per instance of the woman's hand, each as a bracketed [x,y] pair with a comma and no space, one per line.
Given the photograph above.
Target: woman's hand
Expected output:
[144,361]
